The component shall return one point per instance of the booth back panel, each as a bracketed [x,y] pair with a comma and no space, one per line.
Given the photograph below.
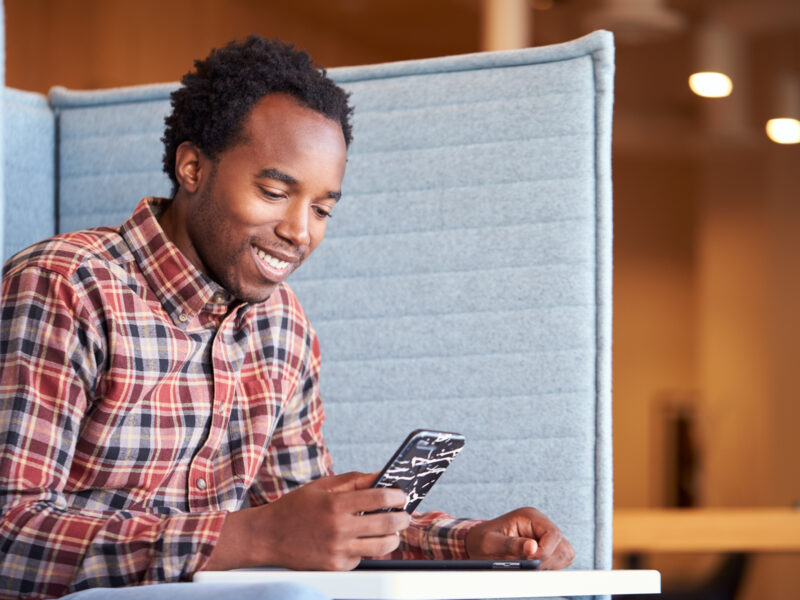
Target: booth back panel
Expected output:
[29,182]
[465,280]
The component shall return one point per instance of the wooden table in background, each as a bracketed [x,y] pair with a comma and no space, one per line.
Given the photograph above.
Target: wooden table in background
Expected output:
[706,530]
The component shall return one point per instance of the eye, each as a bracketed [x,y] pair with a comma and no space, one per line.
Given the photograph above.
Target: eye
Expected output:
[271,195]
[322,212]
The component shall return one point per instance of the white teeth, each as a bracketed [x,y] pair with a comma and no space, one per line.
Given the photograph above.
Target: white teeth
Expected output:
[271,260]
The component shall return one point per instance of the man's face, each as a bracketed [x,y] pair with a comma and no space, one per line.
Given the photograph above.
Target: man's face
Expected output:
[263,207]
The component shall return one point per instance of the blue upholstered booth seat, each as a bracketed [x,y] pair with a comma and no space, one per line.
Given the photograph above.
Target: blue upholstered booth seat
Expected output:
[465,281]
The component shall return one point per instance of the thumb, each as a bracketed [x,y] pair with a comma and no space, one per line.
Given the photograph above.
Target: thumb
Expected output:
[510,546]
[528,547]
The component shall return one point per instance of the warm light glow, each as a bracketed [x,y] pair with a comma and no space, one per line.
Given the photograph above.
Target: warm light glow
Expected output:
[784,131]
[711,85]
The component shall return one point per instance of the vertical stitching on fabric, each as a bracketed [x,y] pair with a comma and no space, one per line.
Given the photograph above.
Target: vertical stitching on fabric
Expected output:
[57,169]
[597,321]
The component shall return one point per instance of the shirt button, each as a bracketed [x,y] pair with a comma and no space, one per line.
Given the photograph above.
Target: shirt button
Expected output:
[183,317]
[200,483]
[218,298]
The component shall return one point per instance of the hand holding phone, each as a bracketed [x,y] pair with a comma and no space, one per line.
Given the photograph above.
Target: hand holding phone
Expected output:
[419,462]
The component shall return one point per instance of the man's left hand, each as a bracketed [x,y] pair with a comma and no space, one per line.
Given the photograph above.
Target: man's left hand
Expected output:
[524,533]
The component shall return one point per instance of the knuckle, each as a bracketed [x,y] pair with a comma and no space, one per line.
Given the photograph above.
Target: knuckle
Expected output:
[384,545]
[338,560]
[344,563]
[335,563]
[338,530]
[392,542]
[398,495]
[399,520]
[390,496]
[330,531]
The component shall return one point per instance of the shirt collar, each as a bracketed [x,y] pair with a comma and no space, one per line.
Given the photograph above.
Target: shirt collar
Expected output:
[181,288]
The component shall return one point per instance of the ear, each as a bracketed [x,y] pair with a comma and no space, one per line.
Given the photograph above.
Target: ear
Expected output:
[190,165]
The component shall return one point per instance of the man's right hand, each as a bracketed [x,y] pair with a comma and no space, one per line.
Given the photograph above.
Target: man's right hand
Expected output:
[319,526]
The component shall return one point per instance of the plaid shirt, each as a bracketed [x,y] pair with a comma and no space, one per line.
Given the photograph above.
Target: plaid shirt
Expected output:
[139,403]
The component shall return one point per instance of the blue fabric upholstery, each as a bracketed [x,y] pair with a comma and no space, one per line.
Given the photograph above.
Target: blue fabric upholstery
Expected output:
[465,282]
[109,152]
[30,191]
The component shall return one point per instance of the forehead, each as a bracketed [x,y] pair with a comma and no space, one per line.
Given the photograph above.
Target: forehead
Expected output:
[281,133]
[281,115]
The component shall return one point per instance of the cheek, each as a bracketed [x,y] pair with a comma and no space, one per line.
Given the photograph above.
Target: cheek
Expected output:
[237,205]
[245,212]
[317,232]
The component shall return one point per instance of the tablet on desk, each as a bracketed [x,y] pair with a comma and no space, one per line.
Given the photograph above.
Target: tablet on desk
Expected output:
[464,565]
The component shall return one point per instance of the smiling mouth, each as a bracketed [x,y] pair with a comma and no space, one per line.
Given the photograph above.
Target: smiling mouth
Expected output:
[273,266]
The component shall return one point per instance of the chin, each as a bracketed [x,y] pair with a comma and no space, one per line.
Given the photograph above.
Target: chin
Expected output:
[246,289]
[254,296]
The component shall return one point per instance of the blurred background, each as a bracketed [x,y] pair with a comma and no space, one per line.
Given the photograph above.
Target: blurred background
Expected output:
[707,206]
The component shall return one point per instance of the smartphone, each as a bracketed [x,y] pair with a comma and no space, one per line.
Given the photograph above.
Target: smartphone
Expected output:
[418,463]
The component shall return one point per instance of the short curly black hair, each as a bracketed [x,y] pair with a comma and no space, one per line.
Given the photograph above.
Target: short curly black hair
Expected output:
[210,107]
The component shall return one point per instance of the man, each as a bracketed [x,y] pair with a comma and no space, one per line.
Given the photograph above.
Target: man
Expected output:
[156,376]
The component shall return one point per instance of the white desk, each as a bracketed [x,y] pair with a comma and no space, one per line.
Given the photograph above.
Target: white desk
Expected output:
[452,585]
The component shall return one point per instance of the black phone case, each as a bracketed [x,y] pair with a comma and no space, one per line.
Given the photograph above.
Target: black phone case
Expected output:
[419,462]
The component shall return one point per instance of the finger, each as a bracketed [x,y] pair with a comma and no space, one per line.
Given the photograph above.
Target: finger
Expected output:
[499,545]
[372,499]
[367,480]
[344,482]
[562,557]
[381,524]
[376,546]
[549,536]
[526,548]
[549,542]
[534,524]
[518,547]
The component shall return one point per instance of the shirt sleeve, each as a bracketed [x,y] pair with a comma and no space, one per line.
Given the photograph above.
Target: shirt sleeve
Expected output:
[434,535]
[51,354]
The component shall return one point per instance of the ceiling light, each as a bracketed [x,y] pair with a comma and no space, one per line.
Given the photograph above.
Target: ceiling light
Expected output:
[710,84]
[784,127]
[715,55]
[784,131]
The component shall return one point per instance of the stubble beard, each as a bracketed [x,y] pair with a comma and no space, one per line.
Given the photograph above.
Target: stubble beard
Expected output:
[207,236]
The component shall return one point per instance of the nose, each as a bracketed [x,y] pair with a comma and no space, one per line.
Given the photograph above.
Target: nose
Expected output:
[293,225]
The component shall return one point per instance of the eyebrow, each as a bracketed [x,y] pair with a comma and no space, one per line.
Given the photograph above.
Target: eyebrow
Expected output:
[279,175]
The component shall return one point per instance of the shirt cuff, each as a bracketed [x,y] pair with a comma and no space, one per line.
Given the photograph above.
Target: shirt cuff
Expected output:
[446,538]
[203,530]
[435,535]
